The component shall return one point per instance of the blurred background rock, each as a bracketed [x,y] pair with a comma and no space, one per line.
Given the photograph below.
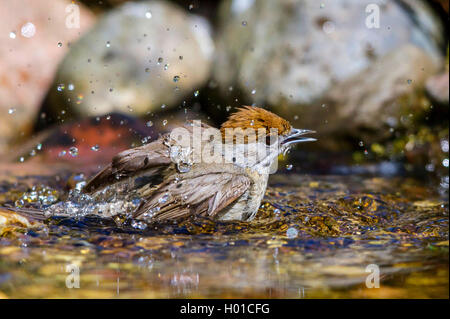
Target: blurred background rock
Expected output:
[378,97]
[138,58]
[33,39]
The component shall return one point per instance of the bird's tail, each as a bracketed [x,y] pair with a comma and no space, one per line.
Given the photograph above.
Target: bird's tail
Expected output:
[29,213]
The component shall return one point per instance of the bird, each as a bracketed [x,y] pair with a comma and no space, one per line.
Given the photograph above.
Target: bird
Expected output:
[199,170]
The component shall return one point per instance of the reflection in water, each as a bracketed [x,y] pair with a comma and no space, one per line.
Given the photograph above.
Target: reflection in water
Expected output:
[342,225]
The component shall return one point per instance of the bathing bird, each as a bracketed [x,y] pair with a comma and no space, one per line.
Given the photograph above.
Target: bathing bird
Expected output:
[200,170]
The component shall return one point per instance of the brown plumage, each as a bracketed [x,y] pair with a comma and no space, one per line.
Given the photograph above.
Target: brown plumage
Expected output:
[256,118]
[203,191]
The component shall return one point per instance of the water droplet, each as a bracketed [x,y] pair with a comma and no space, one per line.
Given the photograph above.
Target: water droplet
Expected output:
[253,91]
[180,57]
[21,159]
[160,60]
[164,122]
[71,87]
[95,148]
[59,44]
[244,23]
[19,203]
[292,232]
[444,146]
[191,6]
[148,15]
[12,35]
[146,139]
[289,167]
[149,124]
[28,30]
[11,110]
[183,167]
[445,162]
[409,81]
[176,78]
[147,70]
[39,147]
[62,153]
[166,66]
[361,143]
[79,98]
[60,87]
[196,93]
[163,199]
[138,225]
[73,151]
[108,44]
[252,122]
[328,27]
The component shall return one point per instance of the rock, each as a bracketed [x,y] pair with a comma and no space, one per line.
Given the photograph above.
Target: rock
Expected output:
[94,141]
[29,50]
[437,87]
[138,57]
[293,52]
[369,100]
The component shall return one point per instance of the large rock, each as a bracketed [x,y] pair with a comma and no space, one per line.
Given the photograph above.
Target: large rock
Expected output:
[30,53]
[138,57]
[374,98]
[293,52]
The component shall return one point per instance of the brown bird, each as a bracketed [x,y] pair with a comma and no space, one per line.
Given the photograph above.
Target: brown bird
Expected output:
[198,170]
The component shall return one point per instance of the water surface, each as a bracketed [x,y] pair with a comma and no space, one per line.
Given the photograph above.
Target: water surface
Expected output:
[313,237]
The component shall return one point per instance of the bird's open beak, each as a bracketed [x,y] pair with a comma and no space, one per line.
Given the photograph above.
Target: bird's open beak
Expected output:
[296,137]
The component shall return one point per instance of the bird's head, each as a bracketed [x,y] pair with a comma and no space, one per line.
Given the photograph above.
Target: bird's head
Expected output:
[273,127]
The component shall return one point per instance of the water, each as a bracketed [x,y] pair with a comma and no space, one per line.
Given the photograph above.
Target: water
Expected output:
[95,148]
[313,237]
[28,30]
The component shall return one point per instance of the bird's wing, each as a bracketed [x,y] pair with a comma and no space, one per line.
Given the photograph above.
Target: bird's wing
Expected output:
[131,162]
[29,213]
[153,158]
[198,194]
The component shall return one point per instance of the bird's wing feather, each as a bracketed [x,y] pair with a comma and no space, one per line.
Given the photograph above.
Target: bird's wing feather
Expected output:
[130,163]
[203,195]
[29,213]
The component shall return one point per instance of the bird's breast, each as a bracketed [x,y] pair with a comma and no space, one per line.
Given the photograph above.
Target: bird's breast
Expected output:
[246,207]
